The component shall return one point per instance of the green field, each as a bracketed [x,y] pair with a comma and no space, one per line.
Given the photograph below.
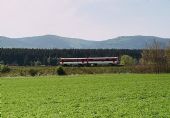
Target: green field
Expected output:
[86,96]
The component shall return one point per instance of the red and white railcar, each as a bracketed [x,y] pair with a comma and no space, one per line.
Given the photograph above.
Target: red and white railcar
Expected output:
[90,61]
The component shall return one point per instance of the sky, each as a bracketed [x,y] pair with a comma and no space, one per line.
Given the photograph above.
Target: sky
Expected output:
[86,19]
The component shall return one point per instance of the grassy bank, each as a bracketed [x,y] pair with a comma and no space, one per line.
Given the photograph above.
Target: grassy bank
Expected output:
[51,70]
[90,96]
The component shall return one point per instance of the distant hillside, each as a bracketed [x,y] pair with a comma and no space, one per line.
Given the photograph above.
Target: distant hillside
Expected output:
[134,42]
[52,41]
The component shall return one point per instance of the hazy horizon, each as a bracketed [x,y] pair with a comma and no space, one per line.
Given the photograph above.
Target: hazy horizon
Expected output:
[82,38]
[85,19]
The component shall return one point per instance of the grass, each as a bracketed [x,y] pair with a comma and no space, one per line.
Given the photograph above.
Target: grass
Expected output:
[86,96]
[52,70]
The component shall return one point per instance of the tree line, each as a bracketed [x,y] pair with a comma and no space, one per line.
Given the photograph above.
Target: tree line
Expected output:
[156,57]
[33,57]
[153,57]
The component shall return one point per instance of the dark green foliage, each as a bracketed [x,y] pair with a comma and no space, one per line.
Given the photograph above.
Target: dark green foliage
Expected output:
[4,69]
[60,71]
[52,61]
[27,57]
[37,63]
[2,62]
[33,72]
[21,73]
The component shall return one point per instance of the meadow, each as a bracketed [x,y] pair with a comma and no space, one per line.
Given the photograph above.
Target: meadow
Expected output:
[86,96]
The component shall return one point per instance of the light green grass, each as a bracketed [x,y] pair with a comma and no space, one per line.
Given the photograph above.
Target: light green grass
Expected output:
[87,96]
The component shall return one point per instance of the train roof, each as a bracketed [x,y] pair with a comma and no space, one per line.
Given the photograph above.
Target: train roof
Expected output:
[93,58]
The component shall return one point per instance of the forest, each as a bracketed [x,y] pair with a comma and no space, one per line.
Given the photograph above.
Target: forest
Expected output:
[32,57]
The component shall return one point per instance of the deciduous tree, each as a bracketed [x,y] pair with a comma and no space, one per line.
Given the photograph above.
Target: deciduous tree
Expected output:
[154,56]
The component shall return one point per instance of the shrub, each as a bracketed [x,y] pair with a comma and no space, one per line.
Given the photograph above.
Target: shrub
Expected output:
[33,72]
[4,69]
[60,71]
[22,73]
[127,60]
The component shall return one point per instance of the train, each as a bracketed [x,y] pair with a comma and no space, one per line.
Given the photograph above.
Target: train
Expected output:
[90,61]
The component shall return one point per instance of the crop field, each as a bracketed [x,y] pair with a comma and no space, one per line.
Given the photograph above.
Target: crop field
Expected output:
[86,96]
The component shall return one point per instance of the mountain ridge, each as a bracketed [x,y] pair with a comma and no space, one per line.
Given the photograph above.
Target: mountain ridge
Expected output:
[54,41]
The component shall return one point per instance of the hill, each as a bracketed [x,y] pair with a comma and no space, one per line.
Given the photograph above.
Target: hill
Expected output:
[52,41]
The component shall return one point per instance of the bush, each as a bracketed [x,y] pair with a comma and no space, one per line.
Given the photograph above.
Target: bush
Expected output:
[33,72]
[4,69]
[60,71]
[22,73]
[127,60]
